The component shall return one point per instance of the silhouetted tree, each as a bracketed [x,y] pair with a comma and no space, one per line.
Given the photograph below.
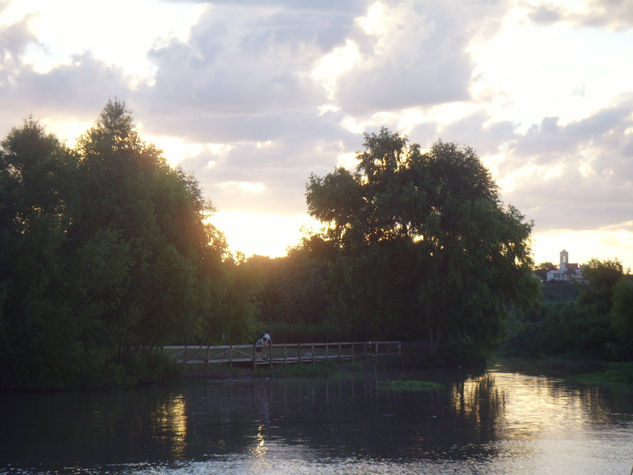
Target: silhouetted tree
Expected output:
[106,254]
[424,248]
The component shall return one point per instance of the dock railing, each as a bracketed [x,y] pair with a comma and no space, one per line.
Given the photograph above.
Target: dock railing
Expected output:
[282,353]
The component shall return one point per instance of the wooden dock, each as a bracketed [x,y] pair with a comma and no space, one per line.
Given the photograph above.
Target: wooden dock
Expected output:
[282,353]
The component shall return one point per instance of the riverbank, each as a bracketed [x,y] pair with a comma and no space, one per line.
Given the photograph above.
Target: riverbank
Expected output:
[619,373]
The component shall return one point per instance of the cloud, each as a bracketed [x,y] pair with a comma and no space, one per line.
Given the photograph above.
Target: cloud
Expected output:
[77,88]
[244,73]
[579,175]
[610,14]
[475,131]
[13,41]
[282,168]
[414,54]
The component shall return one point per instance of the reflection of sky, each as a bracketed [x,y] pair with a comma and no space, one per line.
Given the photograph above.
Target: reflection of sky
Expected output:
[549,427]
[170,423]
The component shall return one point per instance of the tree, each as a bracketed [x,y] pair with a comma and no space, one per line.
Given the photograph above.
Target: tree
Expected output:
[38,197]
[622,315]
[600,278]
[106,254]
[545,266]
[424,248]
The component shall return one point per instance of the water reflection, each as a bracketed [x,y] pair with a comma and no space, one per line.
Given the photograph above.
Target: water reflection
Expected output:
[495,421]
[169,423]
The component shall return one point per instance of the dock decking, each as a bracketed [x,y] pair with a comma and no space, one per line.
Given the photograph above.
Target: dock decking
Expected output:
[281,353]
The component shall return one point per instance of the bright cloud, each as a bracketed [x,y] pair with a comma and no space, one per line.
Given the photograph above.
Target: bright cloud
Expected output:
[116,32]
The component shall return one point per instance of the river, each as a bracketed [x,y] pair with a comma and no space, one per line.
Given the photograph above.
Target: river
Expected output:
[488,421]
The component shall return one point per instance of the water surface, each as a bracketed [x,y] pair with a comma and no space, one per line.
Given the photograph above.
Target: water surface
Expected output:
[483,421]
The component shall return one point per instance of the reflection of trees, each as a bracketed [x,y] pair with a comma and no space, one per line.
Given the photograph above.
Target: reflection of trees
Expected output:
[354,417]
[479,402]
[344,417]
[92,428]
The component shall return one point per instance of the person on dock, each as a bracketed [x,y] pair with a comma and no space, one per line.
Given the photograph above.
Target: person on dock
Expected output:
[267,341]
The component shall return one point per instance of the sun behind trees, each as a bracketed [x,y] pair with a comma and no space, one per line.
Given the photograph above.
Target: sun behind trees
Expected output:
[421,247]
[105,256]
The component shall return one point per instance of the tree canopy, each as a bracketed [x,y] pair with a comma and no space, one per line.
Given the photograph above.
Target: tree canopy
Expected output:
[106,254]
[423,246]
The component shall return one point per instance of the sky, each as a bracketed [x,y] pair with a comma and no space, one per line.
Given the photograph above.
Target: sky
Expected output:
[251,97]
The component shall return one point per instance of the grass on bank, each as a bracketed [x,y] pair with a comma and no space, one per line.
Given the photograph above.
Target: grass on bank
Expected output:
[620,373]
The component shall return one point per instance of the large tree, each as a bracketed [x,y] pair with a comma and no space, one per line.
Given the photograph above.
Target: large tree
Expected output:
[425,248]
[106,254]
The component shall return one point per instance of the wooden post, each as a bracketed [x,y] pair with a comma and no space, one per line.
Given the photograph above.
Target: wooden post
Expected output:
[352,351]
[339,351]
[270,354]
[376,349]
[231,355]
[185,354]
[327,351]
[313,355]
[400,349]
[299,352]
[254,355]
[285,355]
[206,360]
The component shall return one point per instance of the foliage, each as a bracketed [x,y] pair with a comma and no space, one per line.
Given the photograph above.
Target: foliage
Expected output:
[289,295]
[596,324]
[618,373]
[105,255]
[560,290]
[420,246]
[545,266]
[560,328]
[622,317]
[600,277]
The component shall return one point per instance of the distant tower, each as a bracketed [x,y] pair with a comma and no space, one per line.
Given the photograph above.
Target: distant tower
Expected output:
[564,260]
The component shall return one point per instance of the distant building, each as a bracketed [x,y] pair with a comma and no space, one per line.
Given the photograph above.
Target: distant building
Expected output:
[566,271]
